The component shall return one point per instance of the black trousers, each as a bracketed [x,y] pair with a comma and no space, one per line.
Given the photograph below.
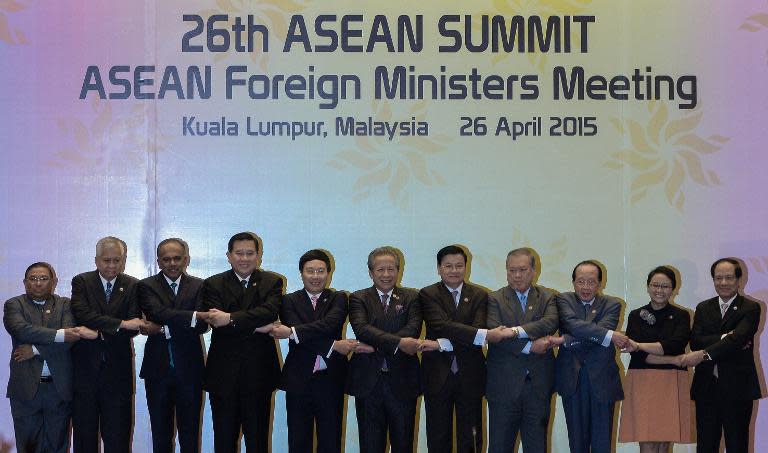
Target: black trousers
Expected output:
[169,398]
[729,417]
[247,410]
[320,409]
[469,418]
[102,408]
[41,425]
[380,412]
[590,422]
[528,414]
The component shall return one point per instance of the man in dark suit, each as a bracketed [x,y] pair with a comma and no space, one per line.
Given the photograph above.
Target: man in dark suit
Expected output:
[521,370]
[105,300]
[586,372]
[385,383]
[725,381]
[42,331]
[453,364]
[173,363]
[315,369]
[243,370]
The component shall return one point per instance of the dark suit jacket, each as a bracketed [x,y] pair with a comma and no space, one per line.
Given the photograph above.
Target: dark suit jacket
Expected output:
[583,352]
[161,306]
[24,322]
[383,331]
[316,330]
[507,364]
[444,320]
[735,363]
[111,354]
[238,355]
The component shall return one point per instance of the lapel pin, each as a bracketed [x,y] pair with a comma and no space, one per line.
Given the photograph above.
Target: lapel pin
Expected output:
[594,311]
[48,311]
[466,299]
[530,307]
[735,307]
[120,289]
[394,296]
[670,316]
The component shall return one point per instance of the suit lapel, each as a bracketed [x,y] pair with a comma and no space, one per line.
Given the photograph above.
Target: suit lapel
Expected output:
[97,288]
[233,286]
[373,297]
[594,309]
[732,309]
[530,305]
[513,305]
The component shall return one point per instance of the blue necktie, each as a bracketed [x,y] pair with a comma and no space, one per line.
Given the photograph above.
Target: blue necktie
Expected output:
[523,301]
[170,350]
[108,292]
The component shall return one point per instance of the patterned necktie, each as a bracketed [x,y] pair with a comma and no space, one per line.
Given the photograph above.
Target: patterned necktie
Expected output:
[723,309]
[587,307]
[108,292]
[173,287]
[244,282]
[523,301]
[384,299]
[314,302]
[455,297]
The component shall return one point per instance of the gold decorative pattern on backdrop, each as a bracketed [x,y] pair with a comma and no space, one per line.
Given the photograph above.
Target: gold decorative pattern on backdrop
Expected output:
[274,14]
[543,8]
[398,165]
[8,33]
[121,139]
[665,152]
[755,23]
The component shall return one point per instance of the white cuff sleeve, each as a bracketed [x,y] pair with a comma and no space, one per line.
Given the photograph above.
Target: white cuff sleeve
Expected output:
[59,338]
[330,351]
[295,337]
[521,333]
[194,319]
[527,348]
[35,351]
[607,340]
[445,345]
[480,337]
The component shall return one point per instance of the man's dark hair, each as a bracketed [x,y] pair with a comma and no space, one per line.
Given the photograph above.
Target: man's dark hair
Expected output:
[315,254]
[450,250]
[590,262]
[244,236]
[664,270]
[179,241]
[40,264]
[733,261]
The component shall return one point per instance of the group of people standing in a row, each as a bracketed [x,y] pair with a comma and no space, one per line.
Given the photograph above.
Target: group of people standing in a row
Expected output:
[95,384]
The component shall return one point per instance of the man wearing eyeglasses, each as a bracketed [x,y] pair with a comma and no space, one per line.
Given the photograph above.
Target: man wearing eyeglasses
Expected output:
[725,381]
[173,364]
[42,331]
[243,370]
[586,373]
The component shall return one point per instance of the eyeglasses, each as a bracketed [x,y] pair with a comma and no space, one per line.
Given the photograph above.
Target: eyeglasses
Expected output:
[587,283]
[314,271]
[38,278]
[725,278]
[659,287]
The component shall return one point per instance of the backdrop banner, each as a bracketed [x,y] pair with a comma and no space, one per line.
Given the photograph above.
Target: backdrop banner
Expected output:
[628,132]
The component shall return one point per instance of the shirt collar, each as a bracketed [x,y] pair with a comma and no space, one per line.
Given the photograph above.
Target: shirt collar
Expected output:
[169,281]
[590,302]
[728,302]
[310,295]
[524,293]
[104,282]
[389,294]
[458,288]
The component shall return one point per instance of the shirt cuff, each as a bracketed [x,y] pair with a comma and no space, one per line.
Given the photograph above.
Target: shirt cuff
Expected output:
[330,351]
[521,333]
[194,319]
[723,336]
[59,338]
[480,337]
[295,337]
[35,351]
[167,331]
[527,348]
[445,345]
[607,340]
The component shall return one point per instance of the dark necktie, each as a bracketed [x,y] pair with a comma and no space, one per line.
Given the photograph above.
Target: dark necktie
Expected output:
[173,287]
[108,292]
[384,299]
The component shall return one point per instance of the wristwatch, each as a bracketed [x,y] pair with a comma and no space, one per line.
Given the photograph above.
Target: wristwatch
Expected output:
[707,357]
